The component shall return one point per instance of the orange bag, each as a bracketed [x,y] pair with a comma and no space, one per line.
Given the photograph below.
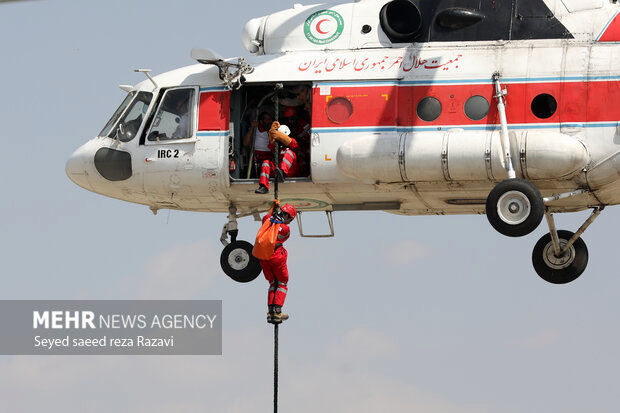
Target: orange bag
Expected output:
[266,238]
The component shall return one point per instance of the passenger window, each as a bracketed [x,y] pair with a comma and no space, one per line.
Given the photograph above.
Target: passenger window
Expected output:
[544,106]
[339,110]
[175,116]
[429,109]
[476,107]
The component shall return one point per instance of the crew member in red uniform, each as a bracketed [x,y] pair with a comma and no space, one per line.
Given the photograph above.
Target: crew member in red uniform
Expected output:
[287,156]
[300,131]
[275,269]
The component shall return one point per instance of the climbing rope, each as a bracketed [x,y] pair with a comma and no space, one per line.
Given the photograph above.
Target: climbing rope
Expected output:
[276,154]
[275,368]
[275,197]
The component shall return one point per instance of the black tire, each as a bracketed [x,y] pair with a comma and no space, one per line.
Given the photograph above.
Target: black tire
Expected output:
[527,201]
[564,269]
[238,262]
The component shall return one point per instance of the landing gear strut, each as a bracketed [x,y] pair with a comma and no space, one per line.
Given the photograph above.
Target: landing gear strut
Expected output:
[515,206]
[236,259]
[560,257]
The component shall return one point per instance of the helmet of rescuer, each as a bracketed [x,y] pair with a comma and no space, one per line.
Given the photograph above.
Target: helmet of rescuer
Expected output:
[289,209]
[289,112]
[284,129]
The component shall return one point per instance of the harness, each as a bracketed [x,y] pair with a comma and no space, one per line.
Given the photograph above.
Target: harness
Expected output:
[275,220]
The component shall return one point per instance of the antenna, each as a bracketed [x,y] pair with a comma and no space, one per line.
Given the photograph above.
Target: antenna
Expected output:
[146,73]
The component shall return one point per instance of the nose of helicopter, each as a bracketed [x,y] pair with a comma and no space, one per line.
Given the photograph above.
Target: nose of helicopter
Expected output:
[77,166]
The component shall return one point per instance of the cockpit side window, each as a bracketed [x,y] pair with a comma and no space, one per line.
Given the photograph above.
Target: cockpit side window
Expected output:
[117,114]
[175,116]
[132,119]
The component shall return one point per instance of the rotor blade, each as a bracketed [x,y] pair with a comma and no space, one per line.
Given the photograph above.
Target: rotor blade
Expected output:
[205,56]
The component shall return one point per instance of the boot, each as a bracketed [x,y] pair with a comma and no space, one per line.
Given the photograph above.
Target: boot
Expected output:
[278,315]
[270,313]
[262,189]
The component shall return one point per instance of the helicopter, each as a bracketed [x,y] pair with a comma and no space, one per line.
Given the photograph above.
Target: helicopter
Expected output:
[413,107]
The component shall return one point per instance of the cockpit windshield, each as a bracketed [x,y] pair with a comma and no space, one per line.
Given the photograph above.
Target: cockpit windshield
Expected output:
[131,114]
[117,114]
[129,124]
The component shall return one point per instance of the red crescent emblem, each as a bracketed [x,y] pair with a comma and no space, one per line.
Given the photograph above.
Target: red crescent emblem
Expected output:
[318,26]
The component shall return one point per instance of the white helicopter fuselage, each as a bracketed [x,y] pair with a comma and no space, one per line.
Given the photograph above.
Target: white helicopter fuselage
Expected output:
[414,107]
[372,150]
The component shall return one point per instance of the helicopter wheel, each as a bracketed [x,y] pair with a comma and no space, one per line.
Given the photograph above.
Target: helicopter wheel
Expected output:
[565,268]
[515,207]
[238,262]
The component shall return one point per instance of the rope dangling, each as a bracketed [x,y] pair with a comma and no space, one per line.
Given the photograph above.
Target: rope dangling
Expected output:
[276,155]
[275,368]
[275,210]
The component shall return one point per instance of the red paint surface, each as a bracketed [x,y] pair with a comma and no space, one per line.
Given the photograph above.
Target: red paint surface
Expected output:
[214,111]
[396,106]
[612,33]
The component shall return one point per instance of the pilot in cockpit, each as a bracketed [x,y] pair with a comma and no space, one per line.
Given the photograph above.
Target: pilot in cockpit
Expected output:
[181,109]
[174,116]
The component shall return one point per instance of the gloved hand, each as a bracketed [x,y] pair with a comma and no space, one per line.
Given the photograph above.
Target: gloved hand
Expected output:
[278,215]
[275,206]
[274,134]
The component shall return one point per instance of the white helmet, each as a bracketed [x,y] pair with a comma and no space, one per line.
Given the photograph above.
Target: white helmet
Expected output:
[284,129]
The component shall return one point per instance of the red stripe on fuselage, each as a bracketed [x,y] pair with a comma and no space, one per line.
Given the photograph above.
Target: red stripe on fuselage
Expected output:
[214,111]
[612,33]
[393,105]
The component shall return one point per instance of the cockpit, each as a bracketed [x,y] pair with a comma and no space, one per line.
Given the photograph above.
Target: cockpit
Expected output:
[164,143]
[174,116]
[173,119]
[127,119]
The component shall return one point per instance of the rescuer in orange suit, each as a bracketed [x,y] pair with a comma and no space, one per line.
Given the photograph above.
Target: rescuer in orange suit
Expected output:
[275,269]
[287,157]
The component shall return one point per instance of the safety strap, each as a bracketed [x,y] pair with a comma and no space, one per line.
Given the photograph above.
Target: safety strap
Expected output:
[275,220]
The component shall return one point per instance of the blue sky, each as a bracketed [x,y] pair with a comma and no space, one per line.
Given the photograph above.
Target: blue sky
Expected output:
[432,314]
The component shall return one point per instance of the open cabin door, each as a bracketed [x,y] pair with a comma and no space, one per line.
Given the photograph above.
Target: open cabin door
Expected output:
[251,104]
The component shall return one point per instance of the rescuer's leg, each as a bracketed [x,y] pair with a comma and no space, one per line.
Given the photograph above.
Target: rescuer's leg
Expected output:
[263,181]
[270,277]
[288,161]
[280,271]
